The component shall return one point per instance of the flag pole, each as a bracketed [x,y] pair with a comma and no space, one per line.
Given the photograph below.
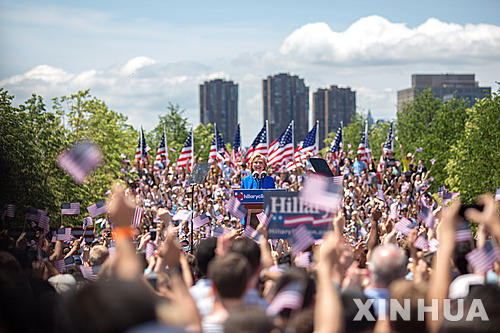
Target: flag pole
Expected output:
[317,137]
[267,138]
[192,149]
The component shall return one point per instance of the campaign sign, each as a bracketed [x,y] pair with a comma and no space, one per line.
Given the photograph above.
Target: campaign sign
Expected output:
[252,196]
[288,211]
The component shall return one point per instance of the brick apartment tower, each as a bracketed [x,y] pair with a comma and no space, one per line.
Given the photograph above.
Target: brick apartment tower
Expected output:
[219,105]
[330,107]
[286,98]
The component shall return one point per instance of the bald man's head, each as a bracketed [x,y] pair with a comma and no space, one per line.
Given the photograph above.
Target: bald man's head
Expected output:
[387,263]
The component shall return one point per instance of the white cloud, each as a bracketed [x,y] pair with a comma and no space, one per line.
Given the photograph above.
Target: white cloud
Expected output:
[373,56]
[374,40]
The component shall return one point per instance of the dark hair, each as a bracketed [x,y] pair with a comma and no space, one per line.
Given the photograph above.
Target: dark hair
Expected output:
[249,249]
[204,254]
[230,275]
[107,306]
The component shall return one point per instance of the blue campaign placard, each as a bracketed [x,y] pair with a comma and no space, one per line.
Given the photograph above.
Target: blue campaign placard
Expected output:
[252,196]
[287,212]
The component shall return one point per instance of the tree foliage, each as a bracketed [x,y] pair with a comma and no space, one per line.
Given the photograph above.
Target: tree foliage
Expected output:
[31,139]
[176,126]
[353,132]
[474,158]
[461,140]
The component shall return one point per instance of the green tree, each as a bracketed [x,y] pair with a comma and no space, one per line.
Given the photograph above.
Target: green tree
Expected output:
[89,118]
[474,158]
[435,126]
[176,126]
[30,139]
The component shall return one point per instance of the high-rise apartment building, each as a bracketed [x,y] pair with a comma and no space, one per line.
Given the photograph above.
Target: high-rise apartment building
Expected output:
[219,105]
[445,87]
[332,106]
[286,98]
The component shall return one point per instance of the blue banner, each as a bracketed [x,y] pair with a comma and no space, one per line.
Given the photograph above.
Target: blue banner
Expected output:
[287,212]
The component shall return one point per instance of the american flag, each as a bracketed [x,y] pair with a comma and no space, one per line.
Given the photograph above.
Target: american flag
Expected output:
[281,149]
[259,144]
[304,260]
[433,245]
[323,219]
[218,151]
[63,234]
[80,160]
[419,149]
[393,215]
[220,231]
[421,242]
[336,147]
[150,249]
[441,191]
[138,150]
[321,192]
[162,153]
[308,145]
[218,216]
[497,195]
[388,146]
[123,156]
[289,297]
[264,219]
[463,232]
[208,231]
[251,233]
[426,216]
[87,221]
[364,146]
[182,215]
[482,259]
[298,219]
[88,273]
[404,226]
[236,209]
[381,195]
[97,208]
[433,161]
[34,214]
[44,223]
[302,239]
[8,210]
[186,158]
[200,221]
[236,153]
[447,197]
[389,142]
[141,152]
[338,180]
[72,208]
[60,265]
[137,219]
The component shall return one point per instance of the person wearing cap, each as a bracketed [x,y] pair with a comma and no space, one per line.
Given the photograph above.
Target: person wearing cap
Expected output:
[258,178]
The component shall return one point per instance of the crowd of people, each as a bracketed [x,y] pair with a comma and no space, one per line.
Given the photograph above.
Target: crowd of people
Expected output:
[164,275]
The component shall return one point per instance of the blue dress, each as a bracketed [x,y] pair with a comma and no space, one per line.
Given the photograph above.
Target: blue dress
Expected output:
[250,183]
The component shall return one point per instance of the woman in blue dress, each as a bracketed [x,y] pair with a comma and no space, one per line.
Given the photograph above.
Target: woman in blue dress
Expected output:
[258,179]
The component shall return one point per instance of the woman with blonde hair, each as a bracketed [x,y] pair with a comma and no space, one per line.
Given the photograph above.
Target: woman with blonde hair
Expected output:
[258,179]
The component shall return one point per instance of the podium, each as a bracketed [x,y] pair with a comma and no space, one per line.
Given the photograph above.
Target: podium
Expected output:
[253,200]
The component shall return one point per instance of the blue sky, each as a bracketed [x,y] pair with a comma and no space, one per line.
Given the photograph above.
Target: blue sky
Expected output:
[138,56]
